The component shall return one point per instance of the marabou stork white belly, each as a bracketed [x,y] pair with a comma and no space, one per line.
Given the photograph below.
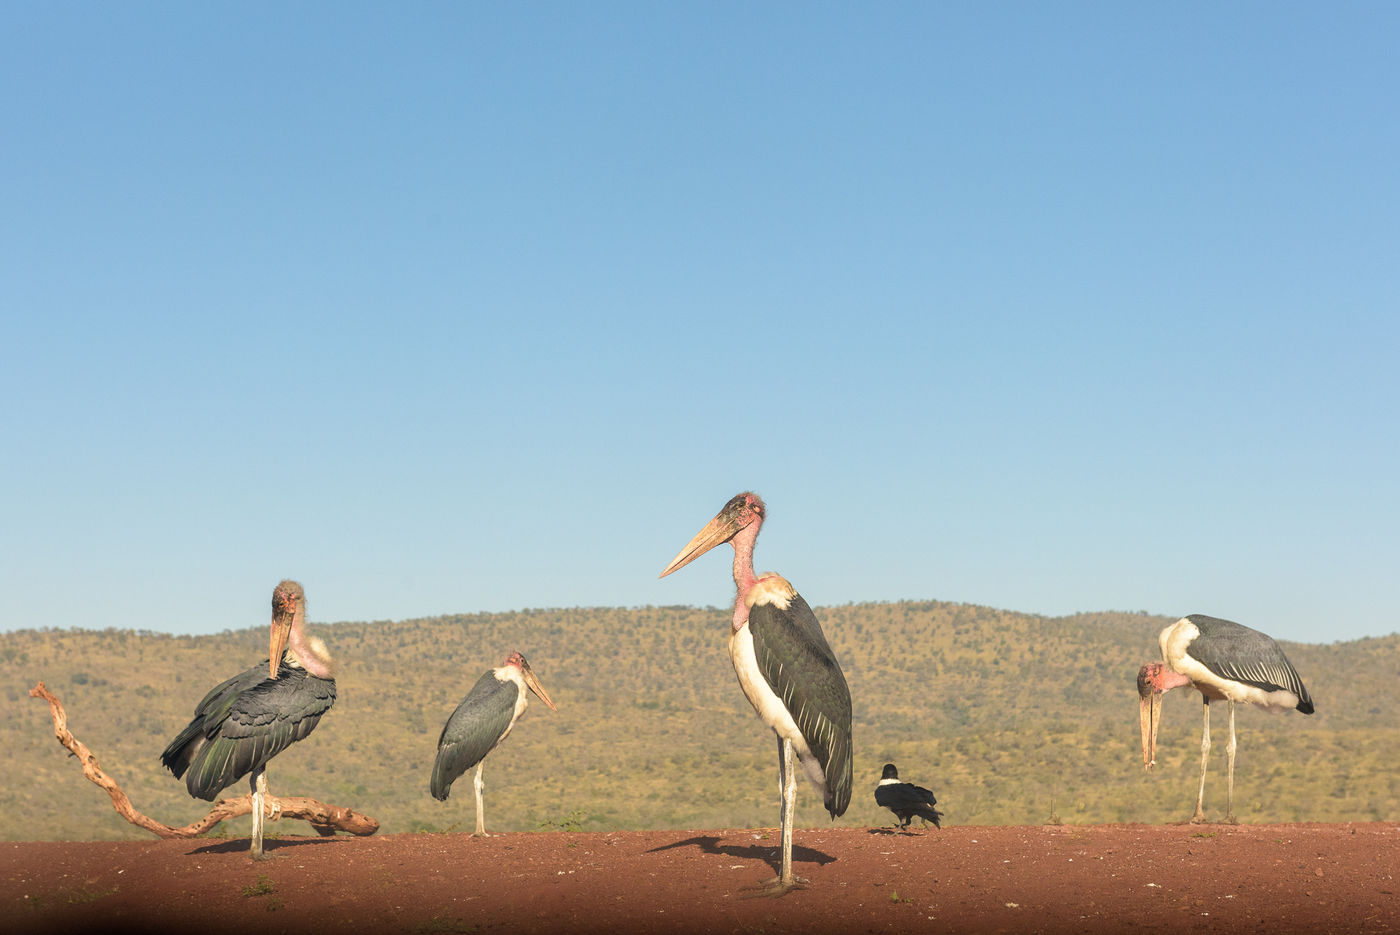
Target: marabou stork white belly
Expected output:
[769,706]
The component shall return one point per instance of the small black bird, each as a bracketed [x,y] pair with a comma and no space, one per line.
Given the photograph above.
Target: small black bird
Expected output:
[906,799]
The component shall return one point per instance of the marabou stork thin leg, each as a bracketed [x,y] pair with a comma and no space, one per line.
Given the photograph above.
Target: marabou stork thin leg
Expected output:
[478,784]
[787,798]
[258,782]
[1200,815]
[1230,771]
[786,880]
[784,752]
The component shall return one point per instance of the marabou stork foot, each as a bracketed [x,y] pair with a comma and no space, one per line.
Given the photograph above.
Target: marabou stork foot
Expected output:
[776,887]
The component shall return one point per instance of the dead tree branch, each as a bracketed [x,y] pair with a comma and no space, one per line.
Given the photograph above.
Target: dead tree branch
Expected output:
[326,819]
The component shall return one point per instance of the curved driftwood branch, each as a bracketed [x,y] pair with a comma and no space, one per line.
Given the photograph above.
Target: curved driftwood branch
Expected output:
[326,819]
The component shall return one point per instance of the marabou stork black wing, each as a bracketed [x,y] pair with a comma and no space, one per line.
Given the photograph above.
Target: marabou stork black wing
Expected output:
[480,722]
[243,723]
[1234,651]
[210,711]
[794,657]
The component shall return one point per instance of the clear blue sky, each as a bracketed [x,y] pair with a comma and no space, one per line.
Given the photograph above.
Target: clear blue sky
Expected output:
[458,307]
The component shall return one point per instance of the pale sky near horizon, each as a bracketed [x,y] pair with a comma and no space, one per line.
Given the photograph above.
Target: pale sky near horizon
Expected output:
[458,307]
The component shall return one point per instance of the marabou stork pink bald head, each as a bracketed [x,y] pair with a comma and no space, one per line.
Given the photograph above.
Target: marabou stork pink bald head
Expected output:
[743,512]
[1154,680]
[531,681]
[289,631]
[288,604]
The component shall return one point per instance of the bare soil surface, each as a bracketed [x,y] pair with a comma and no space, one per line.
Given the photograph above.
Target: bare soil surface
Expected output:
[1106,878]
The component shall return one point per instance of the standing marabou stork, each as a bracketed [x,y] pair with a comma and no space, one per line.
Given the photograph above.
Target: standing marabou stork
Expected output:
[1220,659]
[480,723]
[246,721]
[786,669]
[906,800]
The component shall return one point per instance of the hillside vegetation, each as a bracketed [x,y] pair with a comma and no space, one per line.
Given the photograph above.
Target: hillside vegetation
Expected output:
[1010,718]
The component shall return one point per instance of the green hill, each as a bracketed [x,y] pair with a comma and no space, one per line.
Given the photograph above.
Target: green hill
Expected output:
[1010,718]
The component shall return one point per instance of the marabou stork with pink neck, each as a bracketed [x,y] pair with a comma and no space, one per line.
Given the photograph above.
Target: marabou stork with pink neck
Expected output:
[1222,660]
[480,723]
[246,721]
[787,671]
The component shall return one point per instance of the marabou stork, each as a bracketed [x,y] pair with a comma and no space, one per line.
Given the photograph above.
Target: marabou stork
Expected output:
[905,799]
[480,723]
[246,721]
[786,669]
[1221,659]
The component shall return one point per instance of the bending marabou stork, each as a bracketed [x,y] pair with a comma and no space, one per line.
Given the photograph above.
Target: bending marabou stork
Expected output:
[480,723]
[906,800]
[246,721]
[786,669]
[1222,660]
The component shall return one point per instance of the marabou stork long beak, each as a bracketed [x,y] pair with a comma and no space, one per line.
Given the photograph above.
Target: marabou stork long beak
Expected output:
[533,683]
[284,611]
[1149,715]
[717,531]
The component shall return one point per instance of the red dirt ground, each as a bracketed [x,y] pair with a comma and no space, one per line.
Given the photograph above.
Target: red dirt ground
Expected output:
[1106,878]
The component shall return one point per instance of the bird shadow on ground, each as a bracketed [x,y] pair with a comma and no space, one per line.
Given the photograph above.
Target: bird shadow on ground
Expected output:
[270,845]
[768,853]
[902,833]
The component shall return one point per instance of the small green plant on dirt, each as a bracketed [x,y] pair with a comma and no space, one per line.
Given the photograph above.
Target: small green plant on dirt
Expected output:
[88,896]
[264,887]
[896,898]
[1204,834]
[383,878]
[572,821]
